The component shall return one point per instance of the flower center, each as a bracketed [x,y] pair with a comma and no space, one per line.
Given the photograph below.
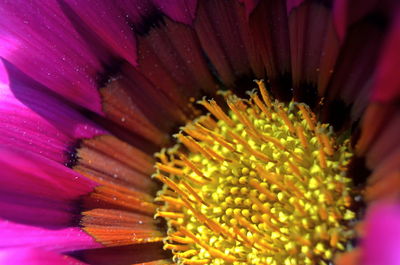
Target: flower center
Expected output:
[263,183]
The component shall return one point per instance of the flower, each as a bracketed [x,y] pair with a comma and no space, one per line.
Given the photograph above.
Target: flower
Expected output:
[89,90]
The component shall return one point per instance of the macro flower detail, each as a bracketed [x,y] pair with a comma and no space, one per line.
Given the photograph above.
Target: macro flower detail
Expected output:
[132,132]
[265,184]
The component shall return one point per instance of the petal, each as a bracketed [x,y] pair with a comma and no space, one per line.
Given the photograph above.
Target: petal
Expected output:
[34,119]
[29,173]
[31,256]
[36,190]
[172,61]
[340,17]
[272,44]
[133,254]
[290,4]
[183,11]
[249,5]
[350,84]
[386,141]
[386,86]
[314,47]
[221,39]
[42,42]
[346,12]
[111,160]
[14,235]
[381,244]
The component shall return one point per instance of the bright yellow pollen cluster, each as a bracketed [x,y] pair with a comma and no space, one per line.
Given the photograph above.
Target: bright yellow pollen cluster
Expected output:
[261,183]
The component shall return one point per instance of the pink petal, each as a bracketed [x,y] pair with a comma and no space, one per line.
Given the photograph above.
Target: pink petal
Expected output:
[387,82]
[33,210]
[110,23]
[33,119]
[381,244]
[32,256]
[139,13]
[36,190]
[28,173]
[14,235]
[179,10]
[42,42]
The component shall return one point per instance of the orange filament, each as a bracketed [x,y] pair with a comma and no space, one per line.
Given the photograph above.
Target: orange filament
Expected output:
[264,183]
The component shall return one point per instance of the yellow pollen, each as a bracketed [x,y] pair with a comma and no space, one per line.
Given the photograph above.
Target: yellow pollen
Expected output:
[262,182]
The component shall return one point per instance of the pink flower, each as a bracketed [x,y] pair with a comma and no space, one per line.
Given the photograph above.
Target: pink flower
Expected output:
[90,90]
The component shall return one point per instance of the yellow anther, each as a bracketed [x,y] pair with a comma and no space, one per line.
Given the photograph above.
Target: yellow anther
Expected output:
[261,185]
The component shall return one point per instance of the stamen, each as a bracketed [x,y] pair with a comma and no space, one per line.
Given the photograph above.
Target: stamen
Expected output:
[264,184]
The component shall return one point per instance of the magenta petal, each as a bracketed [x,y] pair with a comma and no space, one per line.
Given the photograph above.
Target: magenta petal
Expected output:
[347,12]
[39,191]
[387,84]
[14,235]
[109,22]
[381,244]
[32,256]
[137,11]
[340,17]
[36,211]
[290,4]
[179,10]
[42,42]
[33,119]
[28,173]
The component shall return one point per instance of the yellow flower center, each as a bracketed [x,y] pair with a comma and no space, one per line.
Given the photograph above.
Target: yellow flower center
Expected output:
[262,183]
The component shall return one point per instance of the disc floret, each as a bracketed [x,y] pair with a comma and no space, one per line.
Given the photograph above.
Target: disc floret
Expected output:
[261,183]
